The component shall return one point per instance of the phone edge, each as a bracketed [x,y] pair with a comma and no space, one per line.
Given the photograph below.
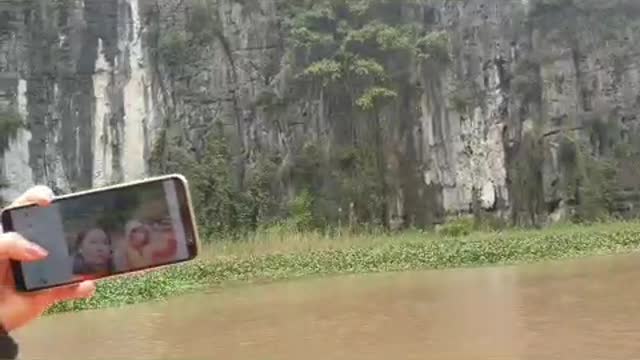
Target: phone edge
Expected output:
[105,188]
[192,213]
[13,264]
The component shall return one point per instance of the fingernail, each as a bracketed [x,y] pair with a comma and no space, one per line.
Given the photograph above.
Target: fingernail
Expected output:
[46,202]
[36,251]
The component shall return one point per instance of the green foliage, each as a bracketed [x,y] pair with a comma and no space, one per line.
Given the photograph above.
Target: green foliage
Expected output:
[351,43]
[326,70]
[595,186]
[308,166]
[301,211]
[10,124]
[375,97]
[592,181]
[394,38]
[260,199]
[489,222]
[303,37]
[375,253]
[170,156]
[368,68]
[212,184]
[319,17]
[625,151]
[468,225]
[381,9]
[434,47]
[597,192]
[360,7]
[359,184]
[526,187]
[457,228]
[356,53]
[376,35]
[222,209]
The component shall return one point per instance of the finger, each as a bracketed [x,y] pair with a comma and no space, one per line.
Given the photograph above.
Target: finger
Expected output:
[83,290]
[13,246]
[45,299]
[40,195]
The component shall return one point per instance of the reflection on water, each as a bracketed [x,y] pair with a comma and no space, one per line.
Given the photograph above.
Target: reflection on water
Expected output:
[586,309]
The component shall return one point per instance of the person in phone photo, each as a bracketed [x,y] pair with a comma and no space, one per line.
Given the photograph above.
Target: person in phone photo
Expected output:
[93,254]
[166,243]
[137,242]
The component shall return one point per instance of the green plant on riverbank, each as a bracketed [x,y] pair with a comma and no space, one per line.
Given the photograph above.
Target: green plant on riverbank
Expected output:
[288,256]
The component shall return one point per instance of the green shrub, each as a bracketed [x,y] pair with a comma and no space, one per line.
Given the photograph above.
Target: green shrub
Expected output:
[301,211]
[457,228]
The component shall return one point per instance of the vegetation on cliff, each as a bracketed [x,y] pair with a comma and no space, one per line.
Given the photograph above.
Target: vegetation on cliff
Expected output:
[351,55]
[357,67]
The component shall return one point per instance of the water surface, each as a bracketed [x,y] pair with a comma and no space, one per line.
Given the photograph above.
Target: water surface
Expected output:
[584,309]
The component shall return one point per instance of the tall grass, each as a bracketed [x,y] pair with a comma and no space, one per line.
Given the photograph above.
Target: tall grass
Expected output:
[276,255]
[280,239]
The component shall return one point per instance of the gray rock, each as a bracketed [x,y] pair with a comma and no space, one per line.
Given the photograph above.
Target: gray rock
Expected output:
[98,96]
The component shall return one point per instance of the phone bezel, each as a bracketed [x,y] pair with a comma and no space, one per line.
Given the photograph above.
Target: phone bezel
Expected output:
[187,215]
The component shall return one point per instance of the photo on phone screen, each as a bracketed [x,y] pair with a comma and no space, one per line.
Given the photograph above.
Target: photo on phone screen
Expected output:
[106,233]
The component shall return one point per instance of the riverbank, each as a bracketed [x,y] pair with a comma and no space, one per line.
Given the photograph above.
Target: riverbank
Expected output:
[285,256]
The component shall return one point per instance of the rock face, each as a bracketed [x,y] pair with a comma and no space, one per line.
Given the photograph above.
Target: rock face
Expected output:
[533,118]
[75,72]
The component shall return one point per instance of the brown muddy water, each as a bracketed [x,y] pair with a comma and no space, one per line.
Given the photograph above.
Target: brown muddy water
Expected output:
[584,309]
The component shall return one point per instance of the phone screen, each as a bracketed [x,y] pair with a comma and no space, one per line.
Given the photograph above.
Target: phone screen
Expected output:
[105,233]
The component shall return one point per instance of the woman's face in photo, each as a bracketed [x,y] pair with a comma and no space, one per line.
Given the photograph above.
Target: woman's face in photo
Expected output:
[95,248]
[138,236]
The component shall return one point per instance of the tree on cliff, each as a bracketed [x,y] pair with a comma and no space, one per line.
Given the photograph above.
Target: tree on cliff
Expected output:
[353,56]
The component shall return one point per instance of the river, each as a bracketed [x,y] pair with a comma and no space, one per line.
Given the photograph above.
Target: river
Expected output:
[582,309]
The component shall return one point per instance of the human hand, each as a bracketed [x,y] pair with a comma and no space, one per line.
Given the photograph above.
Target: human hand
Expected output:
[18,309]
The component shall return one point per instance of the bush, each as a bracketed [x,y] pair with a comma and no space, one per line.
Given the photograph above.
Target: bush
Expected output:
[301,211]
[457,228]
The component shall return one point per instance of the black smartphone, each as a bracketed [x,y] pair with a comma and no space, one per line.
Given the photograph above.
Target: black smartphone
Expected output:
[106,232]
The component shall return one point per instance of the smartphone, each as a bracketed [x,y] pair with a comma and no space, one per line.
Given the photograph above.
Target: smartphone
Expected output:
[107,232]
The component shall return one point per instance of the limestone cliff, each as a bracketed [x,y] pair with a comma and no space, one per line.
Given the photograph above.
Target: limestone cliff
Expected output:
[386,111]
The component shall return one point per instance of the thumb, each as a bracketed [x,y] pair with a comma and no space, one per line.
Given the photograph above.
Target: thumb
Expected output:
[83,290]
[15,247]
[40,195]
